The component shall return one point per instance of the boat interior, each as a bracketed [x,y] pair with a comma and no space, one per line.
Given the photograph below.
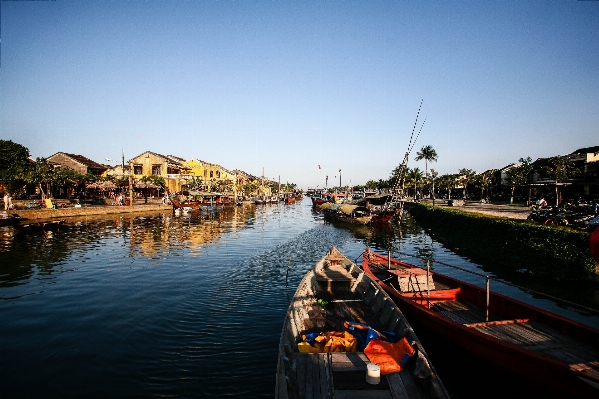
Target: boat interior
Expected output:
[336,292]
[504,319]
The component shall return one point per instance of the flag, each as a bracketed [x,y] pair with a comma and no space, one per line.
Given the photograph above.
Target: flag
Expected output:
[318,166]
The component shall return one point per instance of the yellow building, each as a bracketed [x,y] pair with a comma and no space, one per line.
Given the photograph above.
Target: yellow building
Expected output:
[210,174]
[167,166]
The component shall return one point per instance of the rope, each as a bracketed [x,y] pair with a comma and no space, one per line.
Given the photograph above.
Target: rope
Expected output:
[503,282]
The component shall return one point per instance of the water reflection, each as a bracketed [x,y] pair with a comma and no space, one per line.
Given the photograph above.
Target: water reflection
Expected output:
[41,253]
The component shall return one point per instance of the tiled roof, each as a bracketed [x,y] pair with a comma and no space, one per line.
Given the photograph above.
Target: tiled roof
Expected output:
[83,160]
[587,150]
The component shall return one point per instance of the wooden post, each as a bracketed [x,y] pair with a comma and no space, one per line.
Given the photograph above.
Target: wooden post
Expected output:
[130,191]
[389,260]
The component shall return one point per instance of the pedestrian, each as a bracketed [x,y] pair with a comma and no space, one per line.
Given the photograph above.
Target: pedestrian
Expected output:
[6,201]
[10,205]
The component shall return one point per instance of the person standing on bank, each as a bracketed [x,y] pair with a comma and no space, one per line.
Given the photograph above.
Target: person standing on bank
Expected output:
[6,201]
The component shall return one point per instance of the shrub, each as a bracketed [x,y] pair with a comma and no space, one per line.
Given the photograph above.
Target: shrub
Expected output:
[556,252]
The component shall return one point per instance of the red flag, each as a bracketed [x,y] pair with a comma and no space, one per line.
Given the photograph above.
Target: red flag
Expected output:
[318,166]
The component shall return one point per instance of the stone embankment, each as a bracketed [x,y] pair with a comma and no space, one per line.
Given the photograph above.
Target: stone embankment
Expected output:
[87,210]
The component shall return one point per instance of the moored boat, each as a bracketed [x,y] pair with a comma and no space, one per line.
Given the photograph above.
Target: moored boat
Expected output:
[379,206]
[207,202]
[347,213]
[9,220]
[325,350]
[39,226]
[558,355]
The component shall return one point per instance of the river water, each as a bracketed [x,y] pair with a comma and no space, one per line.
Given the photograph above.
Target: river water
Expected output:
[184,306]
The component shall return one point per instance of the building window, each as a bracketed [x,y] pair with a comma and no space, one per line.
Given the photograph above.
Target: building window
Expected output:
[172,171]
[156,169]
[137,170]
[218,174]
[211,174]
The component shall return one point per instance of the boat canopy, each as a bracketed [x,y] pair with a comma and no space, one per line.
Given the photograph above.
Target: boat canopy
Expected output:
[378,199]
[349,209]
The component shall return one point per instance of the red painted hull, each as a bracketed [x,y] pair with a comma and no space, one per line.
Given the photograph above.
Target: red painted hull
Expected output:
[382,217]
[548,373]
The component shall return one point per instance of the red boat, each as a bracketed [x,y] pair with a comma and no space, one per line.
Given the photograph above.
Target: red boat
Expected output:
[558,355]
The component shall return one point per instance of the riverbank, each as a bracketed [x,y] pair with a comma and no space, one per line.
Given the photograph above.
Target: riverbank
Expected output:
[86,210]
[498,237]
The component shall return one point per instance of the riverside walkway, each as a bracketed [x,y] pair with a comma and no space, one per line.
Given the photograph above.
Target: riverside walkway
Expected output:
[87,210]
[506,211]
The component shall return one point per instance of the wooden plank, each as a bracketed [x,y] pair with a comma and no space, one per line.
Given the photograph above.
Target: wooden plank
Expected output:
[334,273]
[312,384]
[497,323]
[300,376]
[411,387]
[359,394]
[397,387]
[322,376]
[349,361]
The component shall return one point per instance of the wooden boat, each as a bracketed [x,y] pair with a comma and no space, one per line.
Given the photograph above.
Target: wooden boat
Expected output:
[379,207]
[318,200]
[9,220]
[39,226]
[347,213]
[186,204]
[213,202]
[290,200]
[330,298]
[558,355]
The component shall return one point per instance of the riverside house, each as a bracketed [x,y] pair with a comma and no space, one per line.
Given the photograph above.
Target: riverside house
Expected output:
[169,167]
[78,163]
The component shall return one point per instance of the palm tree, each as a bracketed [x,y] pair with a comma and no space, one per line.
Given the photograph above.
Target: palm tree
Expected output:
[428,154]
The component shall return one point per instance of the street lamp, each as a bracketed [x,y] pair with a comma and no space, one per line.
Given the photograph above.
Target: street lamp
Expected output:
[339,179]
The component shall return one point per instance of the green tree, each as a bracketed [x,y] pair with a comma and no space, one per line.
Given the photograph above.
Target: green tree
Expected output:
[157,181]
[518,174]
[484,181]
[370,184]
[447,182]
[41,173]
[434,175]
[14,166]
[414,176]
[68,179]
[466,178]
[560,168]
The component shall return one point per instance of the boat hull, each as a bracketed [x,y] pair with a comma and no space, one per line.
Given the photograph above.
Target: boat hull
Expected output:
[547,373]
[347,292]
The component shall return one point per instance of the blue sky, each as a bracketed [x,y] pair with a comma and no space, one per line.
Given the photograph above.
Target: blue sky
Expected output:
[289,85]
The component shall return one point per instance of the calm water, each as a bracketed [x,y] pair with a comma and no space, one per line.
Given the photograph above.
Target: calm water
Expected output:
[166,306]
